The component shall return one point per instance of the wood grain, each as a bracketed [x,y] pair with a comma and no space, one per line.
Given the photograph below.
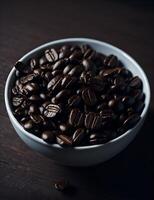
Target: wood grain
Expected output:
[25,174]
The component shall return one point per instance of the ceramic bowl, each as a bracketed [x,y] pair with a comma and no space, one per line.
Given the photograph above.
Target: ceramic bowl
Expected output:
[85,155]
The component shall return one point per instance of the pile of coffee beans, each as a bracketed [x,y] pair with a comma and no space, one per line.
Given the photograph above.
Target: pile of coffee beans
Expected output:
[74,96]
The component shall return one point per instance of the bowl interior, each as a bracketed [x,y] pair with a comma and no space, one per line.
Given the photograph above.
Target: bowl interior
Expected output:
[101,47]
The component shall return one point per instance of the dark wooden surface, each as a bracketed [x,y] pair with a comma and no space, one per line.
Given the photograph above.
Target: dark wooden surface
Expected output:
[24,174]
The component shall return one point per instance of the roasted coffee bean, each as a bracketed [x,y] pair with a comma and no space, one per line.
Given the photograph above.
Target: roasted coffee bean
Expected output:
[67,69]
[48,136]
[76,71]
[86,77]
[20,66]
[60,64]
[43,60]
[88,64]
[51,55]
[128,101]
[64,127]
[107,115]
[135,83]
[138,107]
[62,95]
[111,61]
[89,97]
[33,108]
[17,101]
[125,73]
[84,48]
[34,98]
[75,56]
[28,78]
[78,136]
[87,53]
[51,110]
[92,120]
[43,96]
[34,63]
[116,105]
[54,82]
[76,118]
[31,88]
[36,118]
[61,185]
[56,72]
[64,140]
[64,53]
[20,112]
[68,81]
[138,95]
[98,84]
[74,100]
[101,106]
[110,72]
[129,123]
[28,125]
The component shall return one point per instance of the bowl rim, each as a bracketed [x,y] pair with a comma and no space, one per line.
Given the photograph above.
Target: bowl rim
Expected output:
[65,40]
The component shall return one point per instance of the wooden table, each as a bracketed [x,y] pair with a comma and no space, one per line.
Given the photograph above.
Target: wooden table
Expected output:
[25,174]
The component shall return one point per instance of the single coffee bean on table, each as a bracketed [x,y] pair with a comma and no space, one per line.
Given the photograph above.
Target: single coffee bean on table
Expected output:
[73,96]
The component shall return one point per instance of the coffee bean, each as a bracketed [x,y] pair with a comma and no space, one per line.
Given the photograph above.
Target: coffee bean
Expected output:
[33,108]
[64,53]
[54,81]
[87,53]
[51,110]
[92,120]
[78,136]
[31,88]
[20,66]
[34,63]
[43,60]
[89,97]
[60,64]
[111,61]
[64,140]
[88,64]
[48,136]
[17,101]
[76,71]
[128,101]
[34,98]
[110,72]
[62,95]
[86,77]
[64,127]
[135,83]
[36,118]
[28,125]
[51,55]
[67,69]
[139,106]
[75,56]
[74,100]
[28,78]
[129,122]
[76,118]
[56,72]
[68,81]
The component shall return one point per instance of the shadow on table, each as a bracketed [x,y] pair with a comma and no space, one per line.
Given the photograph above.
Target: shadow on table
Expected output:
[128,175]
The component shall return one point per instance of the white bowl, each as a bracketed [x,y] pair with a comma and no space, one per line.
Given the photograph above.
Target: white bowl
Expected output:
[85,155]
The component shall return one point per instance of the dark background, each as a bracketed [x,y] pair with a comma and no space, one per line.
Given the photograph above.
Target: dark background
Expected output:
[129,25]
